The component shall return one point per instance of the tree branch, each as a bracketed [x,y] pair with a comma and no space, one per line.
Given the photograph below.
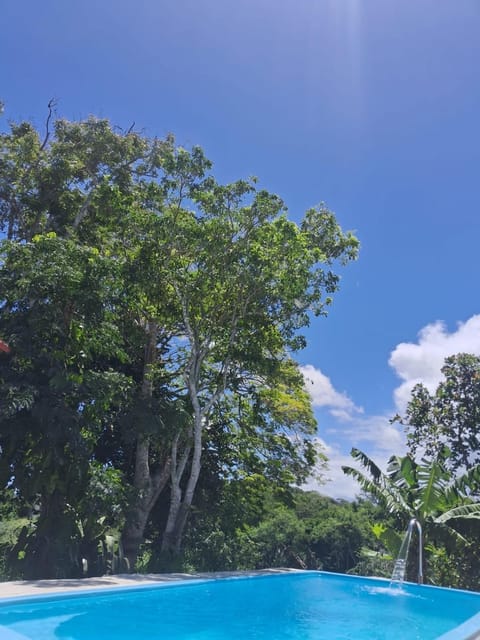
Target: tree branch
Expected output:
[51,108]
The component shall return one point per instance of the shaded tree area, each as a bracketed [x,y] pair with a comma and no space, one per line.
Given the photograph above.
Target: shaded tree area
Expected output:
[152,316]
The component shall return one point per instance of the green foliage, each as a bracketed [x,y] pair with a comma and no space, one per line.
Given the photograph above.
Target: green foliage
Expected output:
[390,539]
[426,490]
[152,315]
[442,502]
[373,563]
[295,529]
[110,555]
[13,520]
[449,416]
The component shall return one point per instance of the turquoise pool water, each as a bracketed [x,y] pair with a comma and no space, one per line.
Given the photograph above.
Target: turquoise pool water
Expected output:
[306,606]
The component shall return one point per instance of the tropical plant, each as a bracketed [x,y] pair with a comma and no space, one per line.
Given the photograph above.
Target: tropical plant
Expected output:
[424,490]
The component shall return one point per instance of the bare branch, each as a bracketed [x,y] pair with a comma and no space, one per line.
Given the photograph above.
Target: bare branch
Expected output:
[51,109]
[84,208]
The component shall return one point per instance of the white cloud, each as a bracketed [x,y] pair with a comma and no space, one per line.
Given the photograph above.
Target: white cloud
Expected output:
[378,439]
[348,427]
[372,434]
[377,434]
[337,485]
[323,394]
[422,361]
[350,421]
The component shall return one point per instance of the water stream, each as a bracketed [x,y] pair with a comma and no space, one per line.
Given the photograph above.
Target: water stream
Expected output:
[399,569]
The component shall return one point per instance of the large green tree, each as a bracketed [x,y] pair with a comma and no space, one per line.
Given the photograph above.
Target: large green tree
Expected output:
[54,390]
[152,314]
[448,416]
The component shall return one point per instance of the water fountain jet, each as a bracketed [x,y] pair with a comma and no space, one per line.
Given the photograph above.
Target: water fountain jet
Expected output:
[398,575]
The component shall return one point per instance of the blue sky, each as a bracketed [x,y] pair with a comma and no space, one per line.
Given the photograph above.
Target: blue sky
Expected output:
[369,105]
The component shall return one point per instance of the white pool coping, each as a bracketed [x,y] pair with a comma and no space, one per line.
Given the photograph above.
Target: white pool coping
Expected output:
[22,588]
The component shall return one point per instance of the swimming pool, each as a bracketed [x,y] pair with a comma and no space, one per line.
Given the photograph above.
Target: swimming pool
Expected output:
[306,605]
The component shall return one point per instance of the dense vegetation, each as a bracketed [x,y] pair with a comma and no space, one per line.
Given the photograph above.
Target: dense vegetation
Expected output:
[152,315]
[152,414]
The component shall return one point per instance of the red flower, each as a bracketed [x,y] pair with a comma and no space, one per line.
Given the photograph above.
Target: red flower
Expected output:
[4,347]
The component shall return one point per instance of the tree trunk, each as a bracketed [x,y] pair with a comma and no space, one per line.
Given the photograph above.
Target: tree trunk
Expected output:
[180,504]
[134,530]
[170,533]
[148,486]
[172,537]
[132,536]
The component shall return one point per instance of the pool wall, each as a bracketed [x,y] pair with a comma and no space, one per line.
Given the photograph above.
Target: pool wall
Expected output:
[469,630]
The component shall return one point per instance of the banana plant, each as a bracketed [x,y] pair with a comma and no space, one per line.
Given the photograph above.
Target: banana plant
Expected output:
[424,490]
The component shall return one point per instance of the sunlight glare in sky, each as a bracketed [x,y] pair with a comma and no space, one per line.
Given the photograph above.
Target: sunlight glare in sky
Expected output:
[368,105]
[348,51]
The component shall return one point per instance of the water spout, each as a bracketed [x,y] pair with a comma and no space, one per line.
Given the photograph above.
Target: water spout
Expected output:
[398,575]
